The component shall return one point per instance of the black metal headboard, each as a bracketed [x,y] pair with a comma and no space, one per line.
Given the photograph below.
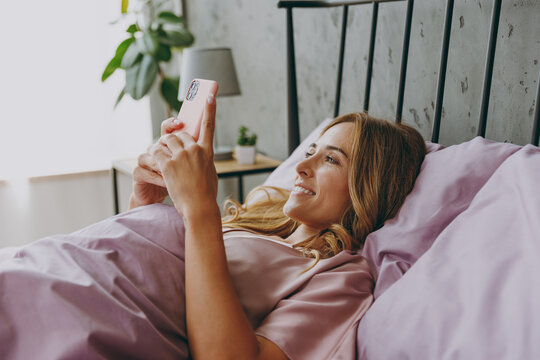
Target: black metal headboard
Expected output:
[293,120]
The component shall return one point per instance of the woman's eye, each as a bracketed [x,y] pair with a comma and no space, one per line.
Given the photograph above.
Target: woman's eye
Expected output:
[331,160]
[309,153]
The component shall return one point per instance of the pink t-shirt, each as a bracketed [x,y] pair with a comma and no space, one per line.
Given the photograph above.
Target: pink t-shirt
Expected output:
[310,315]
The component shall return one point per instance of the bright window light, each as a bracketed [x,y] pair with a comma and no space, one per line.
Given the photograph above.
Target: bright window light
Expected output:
[56,116]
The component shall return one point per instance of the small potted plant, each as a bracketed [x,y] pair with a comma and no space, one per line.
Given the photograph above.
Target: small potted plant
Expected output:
[245,146]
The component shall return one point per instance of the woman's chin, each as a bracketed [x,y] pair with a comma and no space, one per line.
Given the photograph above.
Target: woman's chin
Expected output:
[289,209]
[294,210]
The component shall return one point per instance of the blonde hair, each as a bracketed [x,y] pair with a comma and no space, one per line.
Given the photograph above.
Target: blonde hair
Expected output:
[384,164]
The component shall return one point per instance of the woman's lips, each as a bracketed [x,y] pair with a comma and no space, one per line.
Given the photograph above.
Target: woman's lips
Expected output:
[303,190]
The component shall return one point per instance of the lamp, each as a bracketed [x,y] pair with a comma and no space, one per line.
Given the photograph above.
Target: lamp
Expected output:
[214,64]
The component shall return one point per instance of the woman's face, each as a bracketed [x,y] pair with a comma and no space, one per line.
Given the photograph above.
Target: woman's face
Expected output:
[321,192]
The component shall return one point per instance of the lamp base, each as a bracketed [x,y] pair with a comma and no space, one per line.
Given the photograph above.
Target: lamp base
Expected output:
[223,153]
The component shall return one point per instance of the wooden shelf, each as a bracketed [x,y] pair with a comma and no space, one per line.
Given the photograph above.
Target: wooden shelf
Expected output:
[224,168]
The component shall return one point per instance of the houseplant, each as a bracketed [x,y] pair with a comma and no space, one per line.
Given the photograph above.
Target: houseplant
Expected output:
[245,146]
[152,38]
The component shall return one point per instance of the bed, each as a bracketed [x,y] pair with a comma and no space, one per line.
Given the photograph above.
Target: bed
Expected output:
[457,271]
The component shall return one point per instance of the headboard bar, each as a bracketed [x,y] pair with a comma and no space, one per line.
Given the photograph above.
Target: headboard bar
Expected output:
[292,97]
[442,71]
[536,120]
[374,17]
[341,57]
[293,127]
[404,60]
[328,3]
[490,57]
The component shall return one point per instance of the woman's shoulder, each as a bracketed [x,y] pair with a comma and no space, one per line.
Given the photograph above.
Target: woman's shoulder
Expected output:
[347,260]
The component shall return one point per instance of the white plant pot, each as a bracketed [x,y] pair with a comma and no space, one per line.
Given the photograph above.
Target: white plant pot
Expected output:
[245,154]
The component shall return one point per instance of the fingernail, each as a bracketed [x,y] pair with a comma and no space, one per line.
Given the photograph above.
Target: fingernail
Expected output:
[176,121]
[210,99]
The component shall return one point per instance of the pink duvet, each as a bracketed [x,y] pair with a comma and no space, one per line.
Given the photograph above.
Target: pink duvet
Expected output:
[104,292]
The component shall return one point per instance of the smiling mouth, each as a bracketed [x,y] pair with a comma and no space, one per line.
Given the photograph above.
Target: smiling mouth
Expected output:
[303,190]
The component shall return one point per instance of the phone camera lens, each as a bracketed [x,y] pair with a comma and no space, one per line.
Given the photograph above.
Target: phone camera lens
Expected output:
[192,90]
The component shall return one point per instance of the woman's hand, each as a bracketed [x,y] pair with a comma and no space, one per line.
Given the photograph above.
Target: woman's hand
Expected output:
[148,185]
[188,167]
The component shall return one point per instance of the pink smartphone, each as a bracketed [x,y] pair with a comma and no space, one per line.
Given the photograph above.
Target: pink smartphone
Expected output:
[191,112]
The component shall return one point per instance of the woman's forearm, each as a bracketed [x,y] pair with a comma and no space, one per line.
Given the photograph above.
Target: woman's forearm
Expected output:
[217,326]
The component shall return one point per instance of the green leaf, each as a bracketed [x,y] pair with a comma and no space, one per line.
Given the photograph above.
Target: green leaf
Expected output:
[132,29]
[140,76]
[148,44]
[164,53]
[178,38]
[120,96]
[131,56]
[169,91]
[170,17]
[245,139]
[252,140]
[117,59]
[125,4]
[110,68]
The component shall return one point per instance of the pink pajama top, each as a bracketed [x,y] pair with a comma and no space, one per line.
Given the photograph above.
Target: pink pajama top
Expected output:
[311,315]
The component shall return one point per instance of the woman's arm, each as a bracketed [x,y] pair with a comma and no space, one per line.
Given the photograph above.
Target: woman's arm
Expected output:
[217,326]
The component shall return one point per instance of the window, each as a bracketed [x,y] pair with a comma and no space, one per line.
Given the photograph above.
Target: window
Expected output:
[56,116]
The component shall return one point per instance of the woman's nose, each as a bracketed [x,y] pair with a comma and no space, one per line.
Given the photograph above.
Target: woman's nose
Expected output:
[304,168]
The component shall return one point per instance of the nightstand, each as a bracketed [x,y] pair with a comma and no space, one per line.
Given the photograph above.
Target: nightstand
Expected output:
[224,168]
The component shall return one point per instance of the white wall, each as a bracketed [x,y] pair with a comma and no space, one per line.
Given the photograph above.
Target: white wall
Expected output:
[33,209]
[30,210]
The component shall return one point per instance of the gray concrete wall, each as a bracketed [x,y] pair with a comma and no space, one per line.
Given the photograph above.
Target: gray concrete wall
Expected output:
[255,29]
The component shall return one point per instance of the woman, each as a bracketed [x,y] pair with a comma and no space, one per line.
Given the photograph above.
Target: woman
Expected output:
[353,178]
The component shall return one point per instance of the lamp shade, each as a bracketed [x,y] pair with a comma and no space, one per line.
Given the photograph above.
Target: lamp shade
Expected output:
[209,63]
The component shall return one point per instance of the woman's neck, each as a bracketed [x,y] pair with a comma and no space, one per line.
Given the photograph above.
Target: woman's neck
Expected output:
[302,233]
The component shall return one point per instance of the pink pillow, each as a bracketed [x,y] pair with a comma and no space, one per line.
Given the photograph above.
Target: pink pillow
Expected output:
[448,181]
[475,293]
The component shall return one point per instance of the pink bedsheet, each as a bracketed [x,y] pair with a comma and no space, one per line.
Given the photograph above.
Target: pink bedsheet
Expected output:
[475,293]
